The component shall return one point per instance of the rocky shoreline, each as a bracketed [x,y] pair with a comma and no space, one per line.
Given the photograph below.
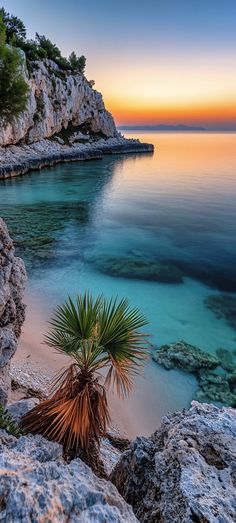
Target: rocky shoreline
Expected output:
[16,160]
[185,471]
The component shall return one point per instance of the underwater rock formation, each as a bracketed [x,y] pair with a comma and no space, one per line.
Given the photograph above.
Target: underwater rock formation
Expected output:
[139,268]
[217,386]
[216,374]
[182,355]
[223,306]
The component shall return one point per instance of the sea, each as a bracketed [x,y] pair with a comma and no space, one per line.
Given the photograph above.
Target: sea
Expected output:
[84,226]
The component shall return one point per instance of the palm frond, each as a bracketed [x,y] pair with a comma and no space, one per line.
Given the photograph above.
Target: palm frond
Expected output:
[75,415]
[99,333]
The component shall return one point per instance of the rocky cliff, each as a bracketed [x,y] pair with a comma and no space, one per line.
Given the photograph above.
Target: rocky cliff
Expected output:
[37,485]
[186,471]
[57,99]
[12,282]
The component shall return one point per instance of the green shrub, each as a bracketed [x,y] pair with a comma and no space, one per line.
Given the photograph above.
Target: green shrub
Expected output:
[2,31]
[77,63]
[7,423]
[13,87]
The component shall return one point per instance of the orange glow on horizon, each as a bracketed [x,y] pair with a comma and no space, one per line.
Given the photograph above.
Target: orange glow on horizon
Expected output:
[171,93]
[212,114]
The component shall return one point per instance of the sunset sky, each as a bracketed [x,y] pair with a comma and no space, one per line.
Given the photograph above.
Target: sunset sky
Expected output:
[155,61]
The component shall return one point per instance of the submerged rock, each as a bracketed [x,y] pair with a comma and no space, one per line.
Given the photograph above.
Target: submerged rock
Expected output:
[186,471]
[37,485]
[227,359]
[216,386]
[182,355]
[223,306]
[12,310]
[138,268]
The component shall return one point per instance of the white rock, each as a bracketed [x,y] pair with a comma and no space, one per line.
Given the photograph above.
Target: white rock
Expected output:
[20,408]
[36,485]
[186,471]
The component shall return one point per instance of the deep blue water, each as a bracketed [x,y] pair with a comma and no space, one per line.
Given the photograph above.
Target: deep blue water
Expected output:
[176,207]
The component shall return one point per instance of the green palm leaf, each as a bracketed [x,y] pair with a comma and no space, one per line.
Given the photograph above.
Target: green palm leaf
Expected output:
[101,333]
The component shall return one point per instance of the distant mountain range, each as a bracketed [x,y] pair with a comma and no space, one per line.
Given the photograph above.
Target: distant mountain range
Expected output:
[161,127]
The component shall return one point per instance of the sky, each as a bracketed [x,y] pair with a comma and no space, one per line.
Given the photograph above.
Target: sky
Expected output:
[155,61]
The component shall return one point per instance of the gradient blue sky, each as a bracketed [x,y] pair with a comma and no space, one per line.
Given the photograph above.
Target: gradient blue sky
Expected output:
[156,61]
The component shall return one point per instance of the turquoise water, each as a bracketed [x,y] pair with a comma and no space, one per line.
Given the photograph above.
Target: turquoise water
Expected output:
[176,207]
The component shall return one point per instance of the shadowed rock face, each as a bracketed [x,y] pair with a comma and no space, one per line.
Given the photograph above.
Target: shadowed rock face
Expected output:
[12,310]
[37,485]
[186,471]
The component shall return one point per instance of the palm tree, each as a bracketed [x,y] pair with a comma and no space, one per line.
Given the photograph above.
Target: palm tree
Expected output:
[99,335]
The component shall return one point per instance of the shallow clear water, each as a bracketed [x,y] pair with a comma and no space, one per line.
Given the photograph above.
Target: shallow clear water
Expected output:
[176,206]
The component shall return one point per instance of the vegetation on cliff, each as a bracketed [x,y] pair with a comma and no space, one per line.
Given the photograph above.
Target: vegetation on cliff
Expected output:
[13,85]
[39,48]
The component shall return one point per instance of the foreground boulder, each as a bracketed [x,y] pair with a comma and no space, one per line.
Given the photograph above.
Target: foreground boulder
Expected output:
[182,355]
[12,310]
[186,471]
[36,485]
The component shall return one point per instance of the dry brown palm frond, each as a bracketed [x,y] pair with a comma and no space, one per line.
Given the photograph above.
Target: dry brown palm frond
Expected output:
[75,415]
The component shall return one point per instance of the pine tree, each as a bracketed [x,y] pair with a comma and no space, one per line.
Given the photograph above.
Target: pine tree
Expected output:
[13,87]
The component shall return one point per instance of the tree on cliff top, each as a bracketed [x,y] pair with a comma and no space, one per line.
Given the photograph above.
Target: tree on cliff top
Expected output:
[77,63]
[40,48]
[13,87]
[15,28]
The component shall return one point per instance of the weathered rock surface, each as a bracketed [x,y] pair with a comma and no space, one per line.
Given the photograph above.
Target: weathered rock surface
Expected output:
[186,471]
[21,407]
[36,485]
[139,268]
[182,355]
[57,98]
[223,306]
[12,282]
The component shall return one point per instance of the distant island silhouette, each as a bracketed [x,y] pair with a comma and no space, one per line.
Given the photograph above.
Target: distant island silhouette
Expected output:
[161,127]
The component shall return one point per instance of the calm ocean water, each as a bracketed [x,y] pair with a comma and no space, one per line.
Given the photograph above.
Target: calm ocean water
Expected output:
[71,223]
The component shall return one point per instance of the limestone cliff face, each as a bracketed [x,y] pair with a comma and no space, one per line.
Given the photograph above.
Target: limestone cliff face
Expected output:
[57,99]
[12,282]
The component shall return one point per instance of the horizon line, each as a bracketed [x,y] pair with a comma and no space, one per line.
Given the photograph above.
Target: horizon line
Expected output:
[177,127]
